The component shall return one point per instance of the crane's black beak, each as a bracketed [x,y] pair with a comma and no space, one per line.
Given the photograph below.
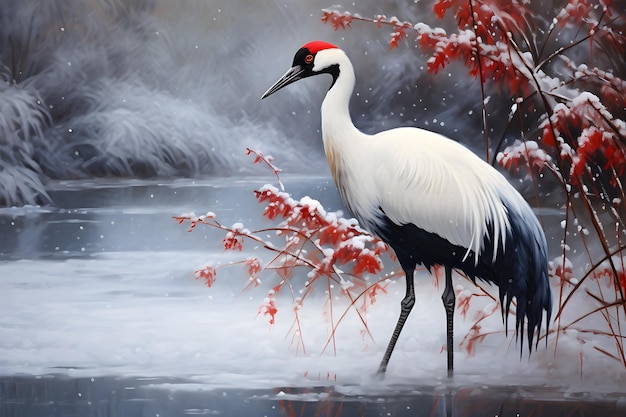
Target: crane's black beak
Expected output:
[294,74]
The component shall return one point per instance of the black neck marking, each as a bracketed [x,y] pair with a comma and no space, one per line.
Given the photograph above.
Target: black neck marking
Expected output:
[334,71]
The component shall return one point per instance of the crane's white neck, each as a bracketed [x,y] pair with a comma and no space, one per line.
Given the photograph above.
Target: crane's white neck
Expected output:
[336,120]
[341,137]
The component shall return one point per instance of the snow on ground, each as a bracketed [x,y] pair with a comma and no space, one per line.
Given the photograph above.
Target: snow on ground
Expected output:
[142,313]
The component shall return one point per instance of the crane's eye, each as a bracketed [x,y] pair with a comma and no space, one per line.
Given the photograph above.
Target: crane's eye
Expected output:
[308,59]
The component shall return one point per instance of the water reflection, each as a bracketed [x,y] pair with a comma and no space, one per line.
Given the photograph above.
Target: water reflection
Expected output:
[97,216]
[56,395]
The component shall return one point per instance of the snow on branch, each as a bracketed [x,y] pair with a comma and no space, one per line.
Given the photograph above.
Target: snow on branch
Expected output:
[333,249]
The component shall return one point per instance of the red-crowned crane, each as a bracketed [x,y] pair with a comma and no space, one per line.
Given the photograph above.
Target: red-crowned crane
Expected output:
[433,201]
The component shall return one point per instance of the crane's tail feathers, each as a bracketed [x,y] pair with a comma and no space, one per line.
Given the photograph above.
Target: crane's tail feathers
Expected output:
[526,265]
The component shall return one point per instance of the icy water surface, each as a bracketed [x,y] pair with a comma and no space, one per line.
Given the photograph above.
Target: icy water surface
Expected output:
[110,396]
[100,315]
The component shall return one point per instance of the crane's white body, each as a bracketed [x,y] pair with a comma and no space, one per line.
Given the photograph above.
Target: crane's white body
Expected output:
[413,175]
[432,200]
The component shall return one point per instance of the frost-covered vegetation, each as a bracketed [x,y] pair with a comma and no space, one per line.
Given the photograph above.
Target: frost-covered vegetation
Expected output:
[120,88]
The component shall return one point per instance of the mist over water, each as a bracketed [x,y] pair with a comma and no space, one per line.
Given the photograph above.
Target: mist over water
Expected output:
[144,89]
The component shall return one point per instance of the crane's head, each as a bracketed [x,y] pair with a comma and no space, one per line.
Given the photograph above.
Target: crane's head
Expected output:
[312,59]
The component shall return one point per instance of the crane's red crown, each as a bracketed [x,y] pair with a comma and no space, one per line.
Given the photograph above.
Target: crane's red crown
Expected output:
[316,46]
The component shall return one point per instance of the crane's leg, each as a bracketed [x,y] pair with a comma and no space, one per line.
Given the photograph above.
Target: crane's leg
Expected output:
[406,306]
[449,299]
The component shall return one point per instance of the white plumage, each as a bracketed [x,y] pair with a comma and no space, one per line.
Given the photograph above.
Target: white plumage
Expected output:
[431,199]
[453,193]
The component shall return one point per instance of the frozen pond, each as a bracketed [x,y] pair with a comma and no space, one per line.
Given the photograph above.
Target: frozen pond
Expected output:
[100,315]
